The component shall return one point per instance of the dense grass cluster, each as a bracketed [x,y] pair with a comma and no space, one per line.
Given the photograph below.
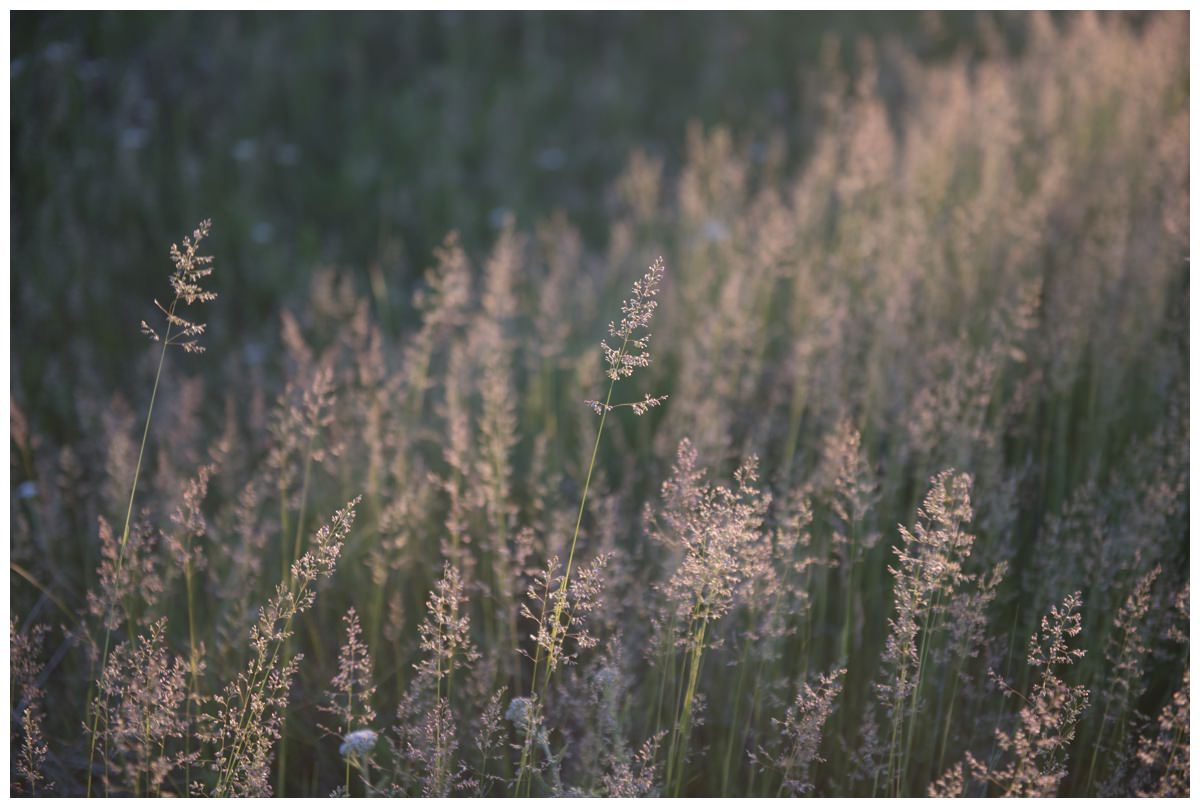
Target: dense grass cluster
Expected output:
[893,503]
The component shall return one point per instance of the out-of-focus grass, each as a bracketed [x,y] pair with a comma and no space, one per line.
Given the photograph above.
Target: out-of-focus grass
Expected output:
[356,140]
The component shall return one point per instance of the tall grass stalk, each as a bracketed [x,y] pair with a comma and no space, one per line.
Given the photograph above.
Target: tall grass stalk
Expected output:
[189,270]
[682,729]
[281,776]
[293,597]
[638,312]
[125,530]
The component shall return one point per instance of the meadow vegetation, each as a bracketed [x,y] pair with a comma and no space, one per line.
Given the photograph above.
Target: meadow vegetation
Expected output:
[893,503]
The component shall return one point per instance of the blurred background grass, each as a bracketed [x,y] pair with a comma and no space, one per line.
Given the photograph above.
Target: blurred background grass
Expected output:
[358,141]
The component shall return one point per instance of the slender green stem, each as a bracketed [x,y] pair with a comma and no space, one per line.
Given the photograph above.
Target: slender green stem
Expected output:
[53,598]
[1096,749]
[280,781]
[193,686]
[299,535]
[666,672]
[349,719]
[849,617]
[137,471]
[675,719]
[588,482]
[556,619]
[918,680]
[226,778]
[897,723]
[734,736]
[527,746]
[949,715]
[586,486]
[684,727]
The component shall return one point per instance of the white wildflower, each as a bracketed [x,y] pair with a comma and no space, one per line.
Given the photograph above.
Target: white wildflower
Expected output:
[358,742]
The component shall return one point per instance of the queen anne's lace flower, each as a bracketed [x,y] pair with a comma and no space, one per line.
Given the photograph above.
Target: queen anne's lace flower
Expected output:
[358,742]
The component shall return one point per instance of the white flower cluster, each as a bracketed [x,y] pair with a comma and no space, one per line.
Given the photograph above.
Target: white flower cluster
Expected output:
[358,742]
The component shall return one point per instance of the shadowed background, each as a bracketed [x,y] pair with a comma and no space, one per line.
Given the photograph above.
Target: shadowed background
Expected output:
[359,140]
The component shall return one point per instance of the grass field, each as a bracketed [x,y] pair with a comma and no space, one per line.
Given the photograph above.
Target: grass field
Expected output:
[394,494]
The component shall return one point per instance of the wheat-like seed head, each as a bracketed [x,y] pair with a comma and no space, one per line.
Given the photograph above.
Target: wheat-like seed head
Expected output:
[190,269]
